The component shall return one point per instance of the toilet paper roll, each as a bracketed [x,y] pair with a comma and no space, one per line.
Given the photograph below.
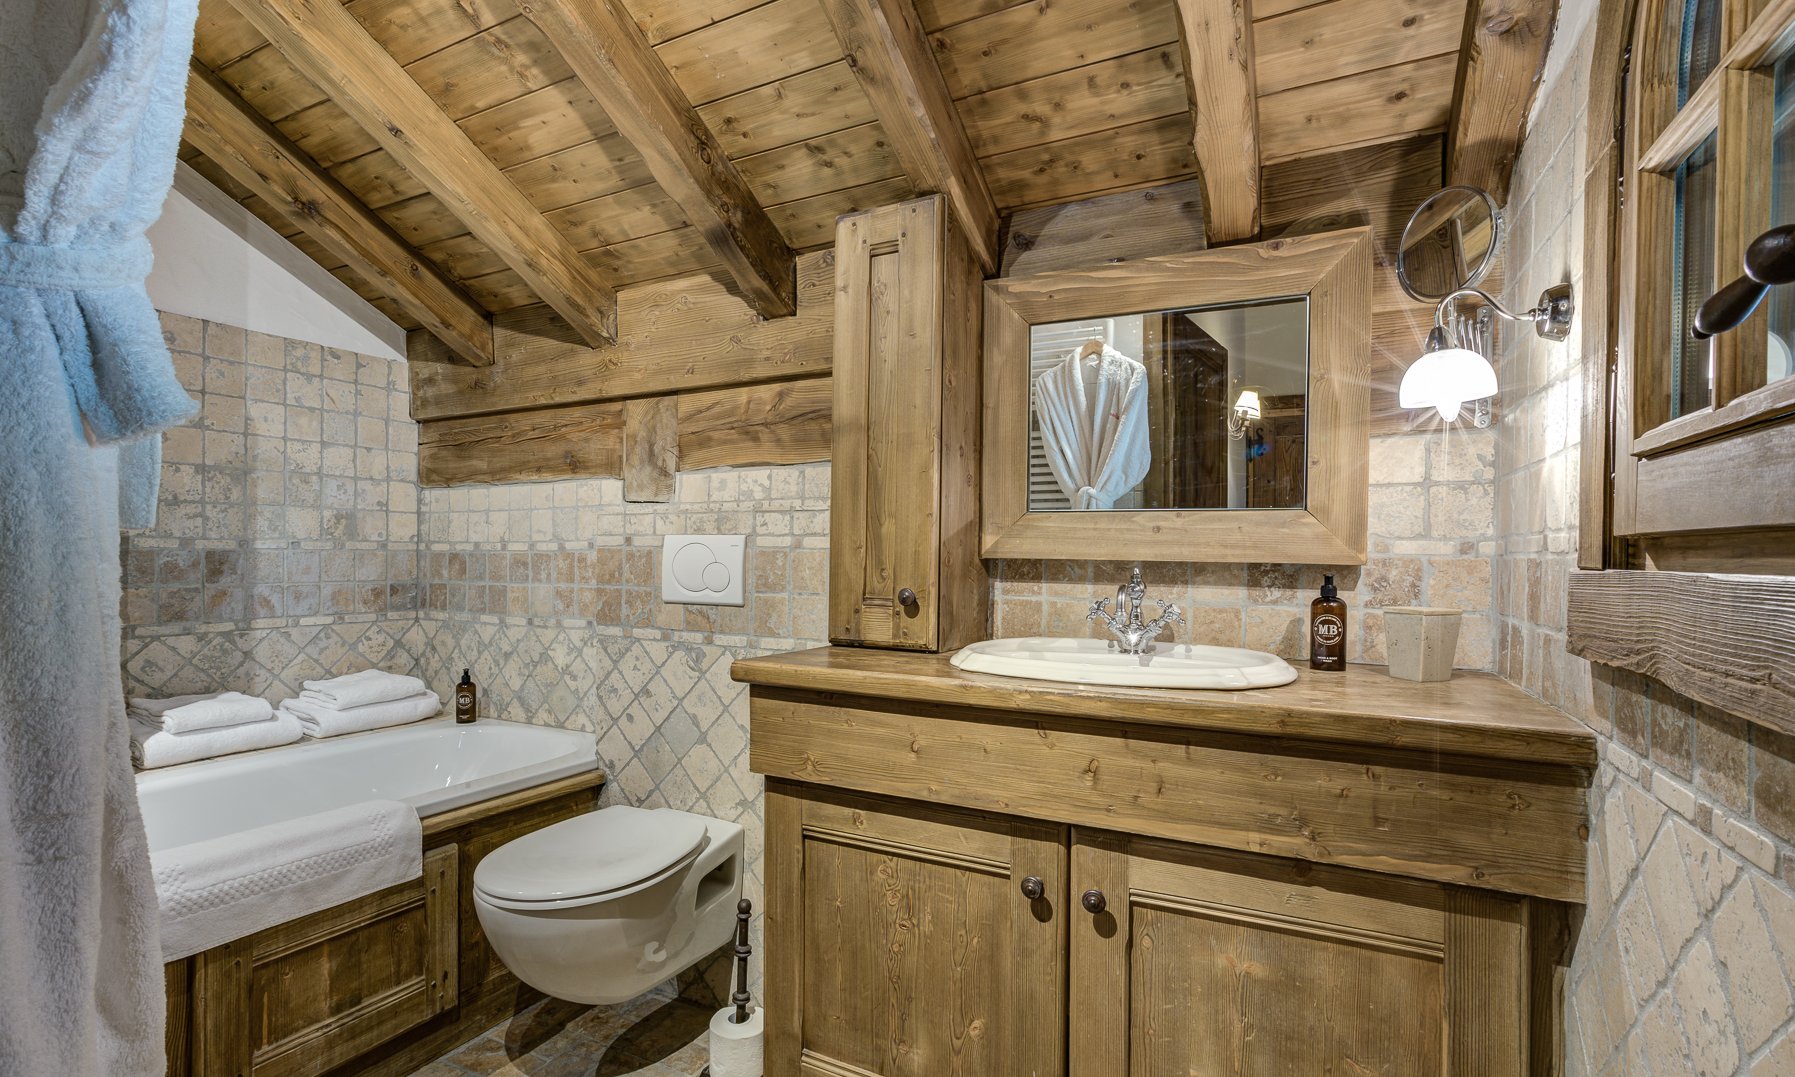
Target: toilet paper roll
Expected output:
[736,1049]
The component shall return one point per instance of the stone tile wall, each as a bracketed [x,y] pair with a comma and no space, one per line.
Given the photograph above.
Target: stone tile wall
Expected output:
[550,594]
[1432,512]
[1685,953]
[285,545]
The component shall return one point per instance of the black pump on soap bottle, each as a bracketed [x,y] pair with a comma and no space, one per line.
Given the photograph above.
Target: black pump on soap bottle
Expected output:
[1327,629]
[466,699]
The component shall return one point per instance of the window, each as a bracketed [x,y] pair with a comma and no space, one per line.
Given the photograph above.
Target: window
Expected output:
[1687,502]
[1708,156]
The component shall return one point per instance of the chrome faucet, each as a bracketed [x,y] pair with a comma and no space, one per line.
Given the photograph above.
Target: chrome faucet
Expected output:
[1134,636]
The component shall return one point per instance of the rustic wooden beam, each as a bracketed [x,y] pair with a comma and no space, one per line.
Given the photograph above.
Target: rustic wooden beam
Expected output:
[256,154]
[601,42]
[329,47]
[1499,70]
[678,335]
[650,448]
[1167,219]
[890,54]
[1724,640]
[555,443]
[645,440]
[1216,37]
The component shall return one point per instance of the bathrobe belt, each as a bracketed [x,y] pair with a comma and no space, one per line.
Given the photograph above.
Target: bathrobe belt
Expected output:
[32,265]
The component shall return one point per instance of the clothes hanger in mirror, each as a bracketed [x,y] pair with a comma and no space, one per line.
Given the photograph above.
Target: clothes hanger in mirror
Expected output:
[1092,347]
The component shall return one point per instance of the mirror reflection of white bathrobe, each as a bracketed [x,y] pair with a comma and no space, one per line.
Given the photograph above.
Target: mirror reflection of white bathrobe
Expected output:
[1093,415]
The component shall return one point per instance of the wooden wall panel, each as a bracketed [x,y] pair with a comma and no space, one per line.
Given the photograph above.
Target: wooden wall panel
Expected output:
[780,423]
[550,443]
[683,335]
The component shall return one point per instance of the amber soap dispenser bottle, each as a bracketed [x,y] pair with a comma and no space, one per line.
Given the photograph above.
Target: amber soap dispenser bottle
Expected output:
[466,696]
[1327,628]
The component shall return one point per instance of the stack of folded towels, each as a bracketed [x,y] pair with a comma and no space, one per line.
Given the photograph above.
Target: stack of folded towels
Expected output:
[186,728]
[370,699]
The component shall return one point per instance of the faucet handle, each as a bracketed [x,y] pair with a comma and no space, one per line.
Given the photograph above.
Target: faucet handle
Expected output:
[1099,610]
[1171,614]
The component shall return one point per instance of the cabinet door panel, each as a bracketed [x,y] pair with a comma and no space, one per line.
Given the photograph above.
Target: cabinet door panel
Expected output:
[903,945]
[1221,964]
[887,407]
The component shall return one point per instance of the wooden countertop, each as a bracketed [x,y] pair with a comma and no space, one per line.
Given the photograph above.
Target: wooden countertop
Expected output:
[1475,714]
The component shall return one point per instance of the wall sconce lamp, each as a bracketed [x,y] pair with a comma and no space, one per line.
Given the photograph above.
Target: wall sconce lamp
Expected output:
[1245,413]
[1455,370]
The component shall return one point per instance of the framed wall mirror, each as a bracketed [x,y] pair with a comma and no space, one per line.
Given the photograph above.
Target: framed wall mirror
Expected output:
[1195,407]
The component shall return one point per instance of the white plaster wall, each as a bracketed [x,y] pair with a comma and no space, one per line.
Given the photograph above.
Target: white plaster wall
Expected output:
[218,262]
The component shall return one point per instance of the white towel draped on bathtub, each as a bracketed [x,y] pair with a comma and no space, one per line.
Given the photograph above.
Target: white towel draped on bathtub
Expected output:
[212,892]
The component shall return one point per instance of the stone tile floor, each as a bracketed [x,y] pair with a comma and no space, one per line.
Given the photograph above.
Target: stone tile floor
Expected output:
[653,1036]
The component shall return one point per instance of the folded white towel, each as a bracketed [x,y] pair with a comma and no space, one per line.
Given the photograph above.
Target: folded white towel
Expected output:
[190,714]
[322,721]
[212,892]
[152,747]
[360,689]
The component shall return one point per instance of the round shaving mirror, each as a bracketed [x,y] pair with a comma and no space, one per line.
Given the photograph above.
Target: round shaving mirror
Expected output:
[1449,243]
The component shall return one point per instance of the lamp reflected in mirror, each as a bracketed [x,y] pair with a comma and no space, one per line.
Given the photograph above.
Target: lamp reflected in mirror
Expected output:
[1247,411]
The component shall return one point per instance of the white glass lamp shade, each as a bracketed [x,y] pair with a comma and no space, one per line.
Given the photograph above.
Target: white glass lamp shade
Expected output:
[1246,405]
[1445,378]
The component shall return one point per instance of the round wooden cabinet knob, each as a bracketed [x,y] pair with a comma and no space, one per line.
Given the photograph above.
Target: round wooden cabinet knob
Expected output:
[906,598]
[1094,902]
[1033,888]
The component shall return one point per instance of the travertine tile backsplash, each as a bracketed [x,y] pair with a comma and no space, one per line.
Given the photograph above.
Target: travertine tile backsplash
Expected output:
[285,545]
[1432,506]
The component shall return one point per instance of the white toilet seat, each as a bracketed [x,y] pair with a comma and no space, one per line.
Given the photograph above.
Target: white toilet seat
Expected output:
[602,855]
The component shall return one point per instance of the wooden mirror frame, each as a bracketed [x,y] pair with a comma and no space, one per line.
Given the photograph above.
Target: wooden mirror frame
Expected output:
[1332,269]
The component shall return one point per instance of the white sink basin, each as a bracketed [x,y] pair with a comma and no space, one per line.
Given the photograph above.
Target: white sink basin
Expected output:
[1095,661]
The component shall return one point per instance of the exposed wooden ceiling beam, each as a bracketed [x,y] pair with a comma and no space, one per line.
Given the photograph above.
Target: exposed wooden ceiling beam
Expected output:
[1499,70]
[257,155]
[1216,37]
[890,54]
[600,40]
[326,43]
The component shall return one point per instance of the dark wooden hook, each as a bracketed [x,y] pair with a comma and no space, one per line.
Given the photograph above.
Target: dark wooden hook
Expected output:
[1769,261]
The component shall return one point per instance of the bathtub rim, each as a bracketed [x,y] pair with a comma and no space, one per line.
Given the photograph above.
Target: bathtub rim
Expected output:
[580,761]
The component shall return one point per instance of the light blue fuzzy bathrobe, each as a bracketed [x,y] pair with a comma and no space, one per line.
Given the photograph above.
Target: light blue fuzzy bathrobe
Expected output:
[91,99]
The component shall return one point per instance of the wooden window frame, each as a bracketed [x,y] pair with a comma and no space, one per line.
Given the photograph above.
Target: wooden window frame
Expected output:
[1687,536]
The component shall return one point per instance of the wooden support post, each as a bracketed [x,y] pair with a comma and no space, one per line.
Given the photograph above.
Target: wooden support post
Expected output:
[650,448]
[1217,40]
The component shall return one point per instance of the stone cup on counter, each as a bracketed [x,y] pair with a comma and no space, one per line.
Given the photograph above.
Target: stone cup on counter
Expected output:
[1421,641]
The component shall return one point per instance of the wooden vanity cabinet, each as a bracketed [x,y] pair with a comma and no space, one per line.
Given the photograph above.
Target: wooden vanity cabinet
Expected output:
[1348,874]
[901,941]
[904,568]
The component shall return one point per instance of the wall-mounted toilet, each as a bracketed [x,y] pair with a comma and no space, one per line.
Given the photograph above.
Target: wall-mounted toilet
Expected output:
[601,907]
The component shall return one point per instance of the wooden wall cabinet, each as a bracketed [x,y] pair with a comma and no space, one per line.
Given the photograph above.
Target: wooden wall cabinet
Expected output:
[904,568]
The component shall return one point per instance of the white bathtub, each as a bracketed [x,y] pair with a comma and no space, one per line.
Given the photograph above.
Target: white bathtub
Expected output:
[432,765]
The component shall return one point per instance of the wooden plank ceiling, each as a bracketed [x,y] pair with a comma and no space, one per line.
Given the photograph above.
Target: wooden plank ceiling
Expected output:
[1058,101]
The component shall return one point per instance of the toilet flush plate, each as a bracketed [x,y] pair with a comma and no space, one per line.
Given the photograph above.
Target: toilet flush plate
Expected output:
[702,570]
